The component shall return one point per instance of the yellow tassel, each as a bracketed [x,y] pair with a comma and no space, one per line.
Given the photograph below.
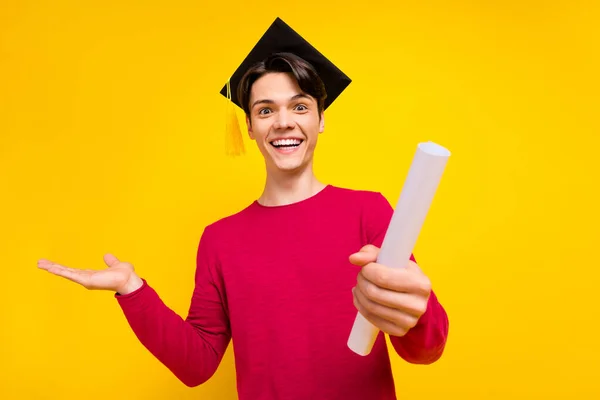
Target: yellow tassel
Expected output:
[233,134]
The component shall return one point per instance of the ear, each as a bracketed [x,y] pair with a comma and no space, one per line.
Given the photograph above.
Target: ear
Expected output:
[249,126]
[322,123]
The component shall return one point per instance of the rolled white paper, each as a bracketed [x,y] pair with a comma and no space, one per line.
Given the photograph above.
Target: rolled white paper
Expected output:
[401,236]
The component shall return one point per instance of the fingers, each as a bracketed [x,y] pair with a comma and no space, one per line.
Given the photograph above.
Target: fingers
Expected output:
[380,298]
[50,266]
[44,264]
[410,279]
[388,313]
[111,260]
[366,255]
[72,274]
[388,320]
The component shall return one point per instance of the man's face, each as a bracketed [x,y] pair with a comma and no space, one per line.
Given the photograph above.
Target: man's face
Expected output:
[284,122]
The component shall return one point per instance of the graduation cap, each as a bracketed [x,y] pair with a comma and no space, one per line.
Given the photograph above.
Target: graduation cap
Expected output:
[279,38]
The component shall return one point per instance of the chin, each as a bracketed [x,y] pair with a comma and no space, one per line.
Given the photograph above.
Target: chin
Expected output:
[290,167]
[283,163]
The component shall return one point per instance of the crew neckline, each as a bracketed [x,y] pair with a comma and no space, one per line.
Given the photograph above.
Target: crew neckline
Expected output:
[314,197]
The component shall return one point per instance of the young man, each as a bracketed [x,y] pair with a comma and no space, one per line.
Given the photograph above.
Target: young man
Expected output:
[283,278]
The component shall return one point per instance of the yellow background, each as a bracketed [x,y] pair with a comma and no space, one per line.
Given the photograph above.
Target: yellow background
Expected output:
[111,141]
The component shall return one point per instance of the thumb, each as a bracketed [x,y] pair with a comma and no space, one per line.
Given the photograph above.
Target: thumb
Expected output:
[111,260]
[367,254]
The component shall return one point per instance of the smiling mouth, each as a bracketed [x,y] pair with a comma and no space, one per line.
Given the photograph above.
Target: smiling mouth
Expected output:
[286,143]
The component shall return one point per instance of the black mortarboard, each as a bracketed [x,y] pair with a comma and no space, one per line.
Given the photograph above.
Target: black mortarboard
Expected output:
[278,38]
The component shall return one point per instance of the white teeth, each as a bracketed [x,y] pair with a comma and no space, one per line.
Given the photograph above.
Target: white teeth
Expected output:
[286,142]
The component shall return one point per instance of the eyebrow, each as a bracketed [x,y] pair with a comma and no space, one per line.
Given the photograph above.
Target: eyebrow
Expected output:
[268,101]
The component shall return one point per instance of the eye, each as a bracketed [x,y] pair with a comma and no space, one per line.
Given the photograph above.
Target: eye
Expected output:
[301,107]
[264,111]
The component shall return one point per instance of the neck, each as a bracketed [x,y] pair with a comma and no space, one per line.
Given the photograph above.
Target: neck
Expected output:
[287,187]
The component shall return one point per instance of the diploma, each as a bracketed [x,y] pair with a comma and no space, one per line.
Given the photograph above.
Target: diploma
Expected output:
[409,214]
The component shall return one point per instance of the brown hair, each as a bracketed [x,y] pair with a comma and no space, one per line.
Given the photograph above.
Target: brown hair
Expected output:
[307,77]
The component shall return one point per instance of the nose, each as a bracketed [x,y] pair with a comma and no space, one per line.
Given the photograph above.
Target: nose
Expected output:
[283,121]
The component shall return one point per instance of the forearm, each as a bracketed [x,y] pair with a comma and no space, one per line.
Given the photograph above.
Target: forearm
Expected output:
[424,343]
[191,354]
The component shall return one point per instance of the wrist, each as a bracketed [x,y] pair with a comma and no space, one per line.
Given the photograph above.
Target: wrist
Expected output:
[133,283]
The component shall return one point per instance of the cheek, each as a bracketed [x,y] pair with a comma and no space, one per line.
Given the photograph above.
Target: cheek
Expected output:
[260,129]
[310,126]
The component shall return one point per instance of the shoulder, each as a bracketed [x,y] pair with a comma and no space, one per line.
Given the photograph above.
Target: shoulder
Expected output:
[371,208]
[362,197]
[373,211]
[230,223]
[221,236]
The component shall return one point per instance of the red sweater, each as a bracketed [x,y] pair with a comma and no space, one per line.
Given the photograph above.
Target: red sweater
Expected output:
[277,282]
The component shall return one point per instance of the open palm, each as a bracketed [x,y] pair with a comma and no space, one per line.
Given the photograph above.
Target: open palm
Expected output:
[119,276]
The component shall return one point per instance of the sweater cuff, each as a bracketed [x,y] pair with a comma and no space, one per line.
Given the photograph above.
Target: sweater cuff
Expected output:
[138,299]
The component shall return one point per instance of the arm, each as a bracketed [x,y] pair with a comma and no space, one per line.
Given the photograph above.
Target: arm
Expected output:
[193,348]
[425,342]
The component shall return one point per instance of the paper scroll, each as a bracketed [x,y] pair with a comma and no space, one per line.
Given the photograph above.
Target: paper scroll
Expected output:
[409,215]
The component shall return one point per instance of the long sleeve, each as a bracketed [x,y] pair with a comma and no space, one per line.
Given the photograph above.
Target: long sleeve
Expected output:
[193,348]
[425,342]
